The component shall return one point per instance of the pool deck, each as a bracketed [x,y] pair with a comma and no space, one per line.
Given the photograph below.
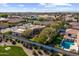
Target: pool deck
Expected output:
[75,47]
[76,40]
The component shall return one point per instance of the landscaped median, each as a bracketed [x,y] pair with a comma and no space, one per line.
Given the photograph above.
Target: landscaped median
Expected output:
[11,51]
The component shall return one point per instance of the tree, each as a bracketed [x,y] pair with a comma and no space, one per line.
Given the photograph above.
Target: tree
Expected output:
[45,36]
[77,17]
[13,42]
[6,40]
[1,37]
[4,15]
[41,19]
[8,33]
[57,24]
[0,40]
[34,53]
[18,41]
[27,33]
[48,34]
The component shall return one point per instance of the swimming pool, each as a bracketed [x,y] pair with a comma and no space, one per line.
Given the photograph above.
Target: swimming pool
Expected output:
[66,44]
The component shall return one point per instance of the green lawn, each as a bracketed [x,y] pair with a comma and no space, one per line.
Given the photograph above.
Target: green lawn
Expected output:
[11,51]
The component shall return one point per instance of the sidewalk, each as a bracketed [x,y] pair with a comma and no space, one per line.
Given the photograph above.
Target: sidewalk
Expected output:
[27,51]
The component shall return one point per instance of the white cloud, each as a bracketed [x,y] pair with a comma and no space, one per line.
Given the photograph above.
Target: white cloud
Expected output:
[34,9]
[43,4]
[54,4]
[64,9]
[64,4]
[4,4]
[47,4]
[24,8]
[21,5]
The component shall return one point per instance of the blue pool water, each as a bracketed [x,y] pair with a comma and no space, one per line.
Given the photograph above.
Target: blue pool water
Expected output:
[66,44]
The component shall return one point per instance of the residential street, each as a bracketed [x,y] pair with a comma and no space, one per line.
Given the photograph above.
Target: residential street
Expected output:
[44,46]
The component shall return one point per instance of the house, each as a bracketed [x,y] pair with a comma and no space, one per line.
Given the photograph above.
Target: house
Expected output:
[71,40]
[61,31]
[70,17]
[3,19]
[15,19]
[74,25]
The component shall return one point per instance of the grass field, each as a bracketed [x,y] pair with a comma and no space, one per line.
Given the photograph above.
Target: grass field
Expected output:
[11,51]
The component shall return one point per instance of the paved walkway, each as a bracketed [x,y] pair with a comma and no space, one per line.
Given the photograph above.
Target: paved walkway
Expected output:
[27,51]
[44,46]
[30,52]
[5,43]
[44,54]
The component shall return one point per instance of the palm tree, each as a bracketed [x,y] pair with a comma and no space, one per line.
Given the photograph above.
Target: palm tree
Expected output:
[6,40]
[18,41]
[22,42]
[34,53]
[0,39]
[13,42]
[54,54]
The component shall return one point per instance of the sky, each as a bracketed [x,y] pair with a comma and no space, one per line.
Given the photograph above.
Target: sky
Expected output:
[39,7]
